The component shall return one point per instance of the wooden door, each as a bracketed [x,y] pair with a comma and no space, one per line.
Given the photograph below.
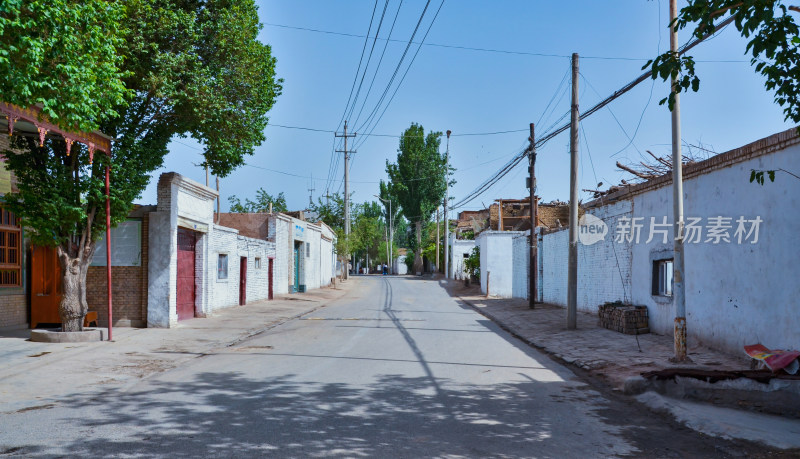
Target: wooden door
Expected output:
[45,286]
[242,281]
[186,272]
[269,272]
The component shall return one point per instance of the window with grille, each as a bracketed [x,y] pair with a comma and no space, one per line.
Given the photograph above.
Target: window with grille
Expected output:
[10,248]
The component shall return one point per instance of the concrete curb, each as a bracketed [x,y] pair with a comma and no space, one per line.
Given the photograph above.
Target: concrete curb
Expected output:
[57,336]
[779,397]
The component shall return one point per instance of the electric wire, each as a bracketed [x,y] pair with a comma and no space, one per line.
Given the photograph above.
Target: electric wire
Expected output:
[547,137]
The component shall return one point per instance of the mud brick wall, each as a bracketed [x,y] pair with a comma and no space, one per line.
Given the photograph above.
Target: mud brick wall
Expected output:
[128,289]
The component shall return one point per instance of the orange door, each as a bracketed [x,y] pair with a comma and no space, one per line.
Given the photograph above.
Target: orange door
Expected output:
[45,286]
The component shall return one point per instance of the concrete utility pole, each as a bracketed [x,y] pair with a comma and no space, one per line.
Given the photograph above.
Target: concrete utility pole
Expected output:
[391,233]
[532,284]
[217,200]
[311,191]
[437,238]
[572,277]
[678,290]
[446,218]
[346,186]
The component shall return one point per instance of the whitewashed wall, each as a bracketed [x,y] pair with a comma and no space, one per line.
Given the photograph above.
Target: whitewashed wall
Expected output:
[497,249]
[459,248]
[736,294]
[521,264]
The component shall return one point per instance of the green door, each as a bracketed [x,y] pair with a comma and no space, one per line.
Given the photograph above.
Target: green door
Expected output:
[296,285]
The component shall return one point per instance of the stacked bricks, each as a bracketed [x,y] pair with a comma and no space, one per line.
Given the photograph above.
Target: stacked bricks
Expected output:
[628,319]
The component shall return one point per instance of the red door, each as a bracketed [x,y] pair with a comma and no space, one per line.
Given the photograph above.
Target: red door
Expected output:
[243,281]
[271,260]
[185,298]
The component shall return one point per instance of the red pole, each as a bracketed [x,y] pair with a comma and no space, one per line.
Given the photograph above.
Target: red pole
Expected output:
[108,247]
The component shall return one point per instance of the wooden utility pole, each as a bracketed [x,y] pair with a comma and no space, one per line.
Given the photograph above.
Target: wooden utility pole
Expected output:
[446,217]
[572,276]
[533,291]
[347,153]
[678,290]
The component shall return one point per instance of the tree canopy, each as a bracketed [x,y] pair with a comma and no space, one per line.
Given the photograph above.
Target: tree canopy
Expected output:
[143,72]
[417,180]
[773,41]
[261,204]
[66,56]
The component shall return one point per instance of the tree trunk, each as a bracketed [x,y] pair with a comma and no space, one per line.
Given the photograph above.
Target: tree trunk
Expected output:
[418,268]
[73,306]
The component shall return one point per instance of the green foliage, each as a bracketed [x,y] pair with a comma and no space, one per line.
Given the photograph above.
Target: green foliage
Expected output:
[64,55]
[773,41]
[331,211]
[409,261]
[472,265]
[418,178]
[261,204]
[143,71]
[758,176]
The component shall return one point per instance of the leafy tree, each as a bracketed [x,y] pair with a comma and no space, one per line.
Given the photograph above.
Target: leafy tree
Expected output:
[418,179]
[773,42]
[64,55]
[261,204]
[143,71]
[331,211]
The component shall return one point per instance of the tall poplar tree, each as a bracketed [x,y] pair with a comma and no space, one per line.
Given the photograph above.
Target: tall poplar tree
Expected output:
[417,180]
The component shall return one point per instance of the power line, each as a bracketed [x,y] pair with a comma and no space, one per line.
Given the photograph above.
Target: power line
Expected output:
[329,131]
[493,50]
[541,141]
[397,68]
[406,72]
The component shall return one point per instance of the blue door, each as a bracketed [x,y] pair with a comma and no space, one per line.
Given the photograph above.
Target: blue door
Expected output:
[296,285]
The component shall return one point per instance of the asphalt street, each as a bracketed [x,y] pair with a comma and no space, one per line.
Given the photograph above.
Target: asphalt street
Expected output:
[398,368]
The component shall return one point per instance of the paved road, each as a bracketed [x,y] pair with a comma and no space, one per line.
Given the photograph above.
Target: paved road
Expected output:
[397,369]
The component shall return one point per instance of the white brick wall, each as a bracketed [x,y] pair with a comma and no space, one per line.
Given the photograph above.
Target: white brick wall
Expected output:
[604,268]
[521,261]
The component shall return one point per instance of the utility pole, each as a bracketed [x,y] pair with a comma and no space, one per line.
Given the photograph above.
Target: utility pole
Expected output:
[437,238]
[311,190]
[533,291]
[346,184]
[572,276]
[446,218]
[206,174]
[217,199]
[678,290]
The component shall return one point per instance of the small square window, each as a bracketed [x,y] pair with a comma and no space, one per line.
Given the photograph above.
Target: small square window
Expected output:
[663,277]
[258,263]
[466,255]
[222,266]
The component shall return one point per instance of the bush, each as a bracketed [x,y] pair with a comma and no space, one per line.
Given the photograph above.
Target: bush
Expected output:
[472,265]
[409,261]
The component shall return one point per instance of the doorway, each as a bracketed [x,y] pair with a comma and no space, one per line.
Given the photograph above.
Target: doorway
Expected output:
[45,286]
[242,281]
[269,273]
[185,298]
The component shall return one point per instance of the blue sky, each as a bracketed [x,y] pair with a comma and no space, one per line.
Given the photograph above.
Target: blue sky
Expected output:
[469,91]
